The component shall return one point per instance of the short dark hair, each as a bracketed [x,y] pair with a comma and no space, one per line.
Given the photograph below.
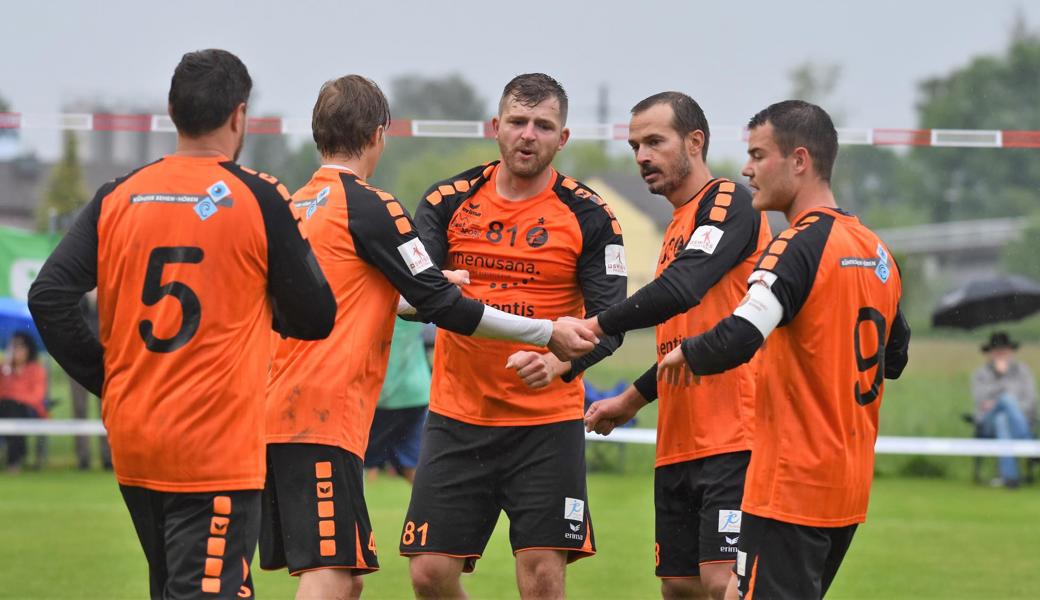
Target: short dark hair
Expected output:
[688,116]
[347,113]
[29,342]
[206,87]
[799,123]
[530,89]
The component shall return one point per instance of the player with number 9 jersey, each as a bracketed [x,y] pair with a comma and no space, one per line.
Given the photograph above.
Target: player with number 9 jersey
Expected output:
[825,293]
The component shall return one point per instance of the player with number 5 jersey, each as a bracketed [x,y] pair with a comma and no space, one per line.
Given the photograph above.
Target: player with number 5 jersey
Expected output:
[194,258]
[826,294]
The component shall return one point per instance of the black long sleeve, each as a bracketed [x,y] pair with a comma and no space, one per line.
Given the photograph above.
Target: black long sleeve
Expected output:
[602,274]
[695,269]
[646,384]
[731,343]
[69,273]
[897,348]
[419,278]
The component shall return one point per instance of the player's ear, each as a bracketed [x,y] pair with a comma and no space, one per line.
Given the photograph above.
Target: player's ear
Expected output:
[238,118]
[494,125]
[564,136]
[694,142]
[802,160]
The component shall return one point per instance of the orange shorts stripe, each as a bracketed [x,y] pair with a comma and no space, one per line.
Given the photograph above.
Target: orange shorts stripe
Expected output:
[751,581]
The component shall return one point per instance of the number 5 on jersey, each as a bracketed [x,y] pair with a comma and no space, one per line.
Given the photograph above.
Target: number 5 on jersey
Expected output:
[154,291]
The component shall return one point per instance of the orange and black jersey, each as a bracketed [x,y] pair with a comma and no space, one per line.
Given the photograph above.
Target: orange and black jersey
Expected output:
[723,232]
[325,392]
[709,250]
[697,253]
[191,256]
[558,253]
[822,370]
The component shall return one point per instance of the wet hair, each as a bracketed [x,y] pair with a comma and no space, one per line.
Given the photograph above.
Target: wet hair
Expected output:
[346,115]
[797,123]
[206,87]
[687,114]
[531,89]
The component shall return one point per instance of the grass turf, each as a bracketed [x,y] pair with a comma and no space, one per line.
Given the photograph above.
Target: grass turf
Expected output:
[66,534]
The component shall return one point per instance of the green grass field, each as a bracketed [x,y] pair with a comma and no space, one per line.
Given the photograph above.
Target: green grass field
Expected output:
[66,534]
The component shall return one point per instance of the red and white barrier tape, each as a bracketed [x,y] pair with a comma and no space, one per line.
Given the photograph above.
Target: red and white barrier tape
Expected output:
[950,138]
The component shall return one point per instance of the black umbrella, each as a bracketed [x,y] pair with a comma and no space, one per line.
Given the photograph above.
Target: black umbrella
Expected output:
[1003,298]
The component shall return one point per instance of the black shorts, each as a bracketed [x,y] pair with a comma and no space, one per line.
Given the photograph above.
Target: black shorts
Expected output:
[395,437]
[198,545]
[314,514]
[697,512]
[468,474]
[784,560]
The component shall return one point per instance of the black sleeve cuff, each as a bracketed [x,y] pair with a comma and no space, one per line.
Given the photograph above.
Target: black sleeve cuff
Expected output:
[646,384]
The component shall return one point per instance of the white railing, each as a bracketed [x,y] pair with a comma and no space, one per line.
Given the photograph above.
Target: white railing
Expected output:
[885,444]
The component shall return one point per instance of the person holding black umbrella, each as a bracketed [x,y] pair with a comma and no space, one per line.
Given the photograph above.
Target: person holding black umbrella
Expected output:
[1005,399]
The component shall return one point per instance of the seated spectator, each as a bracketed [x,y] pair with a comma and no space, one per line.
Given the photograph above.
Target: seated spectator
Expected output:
[23,391]
[1005,399]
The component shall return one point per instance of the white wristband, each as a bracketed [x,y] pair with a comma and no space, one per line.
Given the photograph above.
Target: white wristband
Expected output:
[500,325]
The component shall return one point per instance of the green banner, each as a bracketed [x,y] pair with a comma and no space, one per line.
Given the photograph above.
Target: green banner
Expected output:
[22,254]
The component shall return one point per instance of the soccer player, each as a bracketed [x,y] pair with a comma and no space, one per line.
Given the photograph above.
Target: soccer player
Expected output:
[322,396]
[191,255]
[703,440]
[826,295]
[535,243]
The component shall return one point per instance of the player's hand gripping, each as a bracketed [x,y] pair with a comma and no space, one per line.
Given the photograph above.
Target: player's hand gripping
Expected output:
[571,339]
[606,414]
[537,370]
[673,369]
[458,277]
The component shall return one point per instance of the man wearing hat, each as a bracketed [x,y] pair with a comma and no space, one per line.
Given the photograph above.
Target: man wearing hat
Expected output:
[1005,398]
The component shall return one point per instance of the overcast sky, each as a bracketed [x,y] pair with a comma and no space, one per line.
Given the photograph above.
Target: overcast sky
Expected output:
[733,57]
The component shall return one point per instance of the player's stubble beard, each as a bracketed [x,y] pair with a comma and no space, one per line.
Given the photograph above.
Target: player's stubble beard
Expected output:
[528,169]
[671,177]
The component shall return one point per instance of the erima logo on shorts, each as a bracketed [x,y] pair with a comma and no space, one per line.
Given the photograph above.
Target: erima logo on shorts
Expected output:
[705,238]
[729,521]
[614,257]
[415,256]
[574,509]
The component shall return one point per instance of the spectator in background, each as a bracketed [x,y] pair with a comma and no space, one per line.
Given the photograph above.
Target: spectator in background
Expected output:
[403,401]
[23,390]
[1005,399]
[81,398]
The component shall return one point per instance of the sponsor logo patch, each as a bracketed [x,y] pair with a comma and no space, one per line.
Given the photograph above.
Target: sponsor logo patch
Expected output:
[574,509]
[414,254]
[614,257]
[705,238]
[729,521]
